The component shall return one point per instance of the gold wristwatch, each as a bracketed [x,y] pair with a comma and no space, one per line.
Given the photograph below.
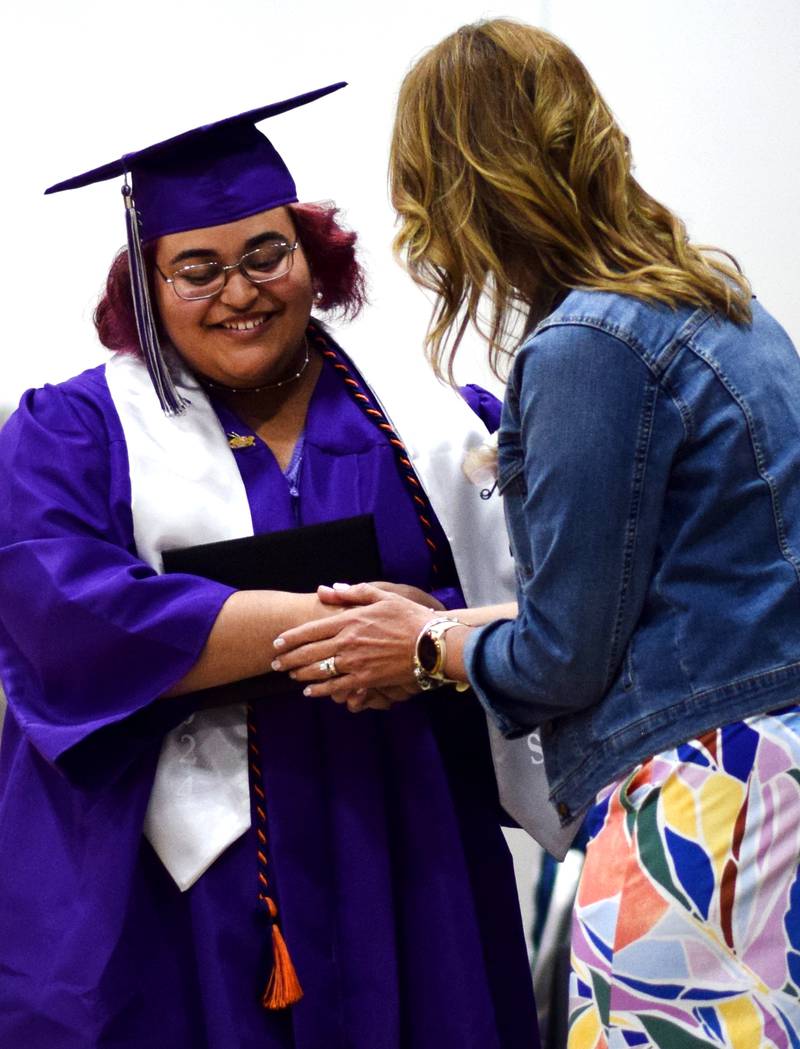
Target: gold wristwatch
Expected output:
[430,653]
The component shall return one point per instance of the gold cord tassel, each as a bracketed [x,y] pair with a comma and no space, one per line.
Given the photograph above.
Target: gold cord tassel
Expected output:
[283,988]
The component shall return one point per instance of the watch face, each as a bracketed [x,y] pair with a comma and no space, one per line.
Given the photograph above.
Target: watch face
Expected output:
[427,653]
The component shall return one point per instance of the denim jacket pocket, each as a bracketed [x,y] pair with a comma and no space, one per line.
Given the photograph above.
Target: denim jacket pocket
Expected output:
[510,477]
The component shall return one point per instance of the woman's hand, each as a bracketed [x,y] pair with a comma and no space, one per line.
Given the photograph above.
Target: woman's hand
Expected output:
[373,643]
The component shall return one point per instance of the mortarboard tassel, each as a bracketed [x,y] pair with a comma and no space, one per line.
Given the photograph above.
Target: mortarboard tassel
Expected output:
[171,401]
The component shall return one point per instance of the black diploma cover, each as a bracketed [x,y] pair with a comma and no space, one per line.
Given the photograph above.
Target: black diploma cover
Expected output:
[297,560]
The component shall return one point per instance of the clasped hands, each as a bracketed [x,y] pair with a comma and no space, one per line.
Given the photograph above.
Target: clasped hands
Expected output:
[369,645]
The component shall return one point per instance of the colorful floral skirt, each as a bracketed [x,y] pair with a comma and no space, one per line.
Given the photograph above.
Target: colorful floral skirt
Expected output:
[686,930]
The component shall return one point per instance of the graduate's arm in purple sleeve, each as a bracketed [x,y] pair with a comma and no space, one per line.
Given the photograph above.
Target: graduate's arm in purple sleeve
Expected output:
[89,634]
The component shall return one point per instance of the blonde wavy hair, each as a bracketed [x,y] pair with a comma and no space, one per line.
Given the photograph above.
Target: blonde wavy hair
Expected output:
[512,183]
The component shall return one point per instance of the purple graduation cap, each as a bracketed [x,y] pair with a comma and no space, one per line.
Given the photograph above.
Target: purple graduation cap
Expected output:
[208,176]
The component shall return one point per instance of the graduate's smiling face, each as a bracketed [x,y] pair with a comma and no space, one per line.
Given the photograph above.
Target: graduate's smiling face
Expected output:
[248,334]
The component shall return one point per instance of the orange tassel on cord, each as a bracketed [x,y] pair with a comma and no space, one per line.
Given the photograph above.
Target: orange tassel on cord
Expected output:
[283,987]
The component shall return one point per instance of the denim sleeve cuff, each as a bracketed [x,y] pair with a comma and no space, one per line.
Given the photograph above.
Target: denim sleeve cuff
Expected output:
[475,663]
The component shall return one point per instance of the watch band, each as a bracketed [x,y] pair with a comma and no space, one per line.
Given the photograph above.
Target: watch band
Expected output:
[430,653]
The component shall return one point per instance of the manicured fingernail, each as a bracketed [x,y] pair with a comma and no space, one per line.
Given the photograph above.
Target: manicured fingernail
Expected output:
[360,691]
[276,664]
[322,586]
[292,674]
[278,642]
[307,691]
[341,586]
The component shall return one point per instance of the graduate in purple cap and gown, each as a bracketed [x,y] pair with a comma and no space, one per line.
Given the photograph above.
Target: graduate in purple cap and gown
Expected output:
[283,874]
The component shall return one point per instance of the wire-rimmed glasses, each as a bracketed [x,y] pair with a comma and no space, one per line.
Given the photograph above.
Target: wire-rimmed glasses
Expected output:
[204,280]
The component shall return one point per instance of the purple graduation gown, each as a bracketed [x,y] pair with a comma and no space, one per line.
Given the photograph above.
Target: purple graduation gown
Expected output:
[395,886]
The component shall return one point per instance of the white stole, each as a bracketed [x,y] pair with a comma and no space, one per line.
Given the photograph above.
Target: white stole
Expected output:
[186,489]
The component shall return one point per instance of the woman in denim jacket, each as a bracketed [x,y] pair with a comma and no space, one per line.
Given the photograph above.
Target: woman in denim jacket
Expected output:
[649,460]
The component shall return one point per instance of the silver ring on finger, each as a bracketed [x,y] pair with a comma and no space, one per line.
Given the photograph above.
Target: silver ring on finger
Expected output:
[328,666]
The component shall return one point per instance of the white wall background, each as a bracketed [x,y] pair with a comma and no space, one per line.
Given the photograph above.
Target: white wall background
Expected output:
[708,90]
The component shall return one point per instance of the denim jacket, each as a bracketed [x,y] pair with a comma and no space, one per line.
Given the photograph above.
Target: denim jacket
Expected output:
[649,460]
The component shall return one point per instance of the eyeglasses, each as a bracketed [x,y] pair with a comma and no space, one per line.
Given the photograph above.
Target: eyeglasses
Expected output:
[204,280]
